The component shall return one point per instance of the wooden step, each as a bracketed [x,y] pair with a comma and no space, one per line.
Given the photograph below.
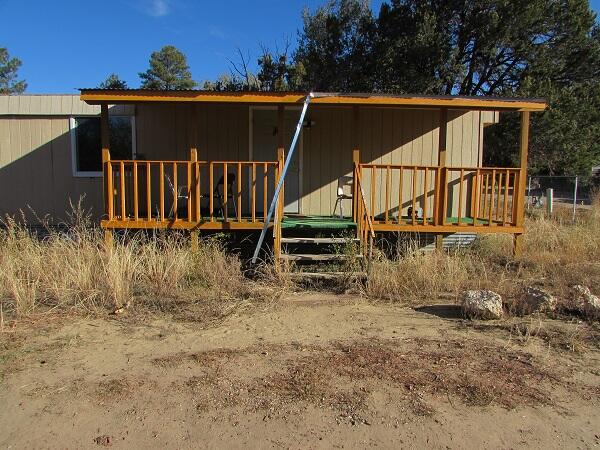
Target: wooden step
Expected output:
[311,240]
[315,257]
[327,275]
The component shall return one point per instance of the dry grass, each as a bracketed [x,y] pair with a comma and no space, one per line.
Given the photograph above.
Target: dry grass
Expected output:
[557,254]
[74,269]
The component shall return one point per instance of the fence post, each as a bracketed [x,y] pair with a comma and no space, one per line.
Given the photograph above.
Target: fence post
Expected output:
[575,199]
[549,201]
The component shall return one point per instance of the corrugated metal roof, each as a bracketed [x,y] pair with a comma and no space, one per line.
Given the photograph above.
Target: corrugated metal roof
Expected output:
[94,96]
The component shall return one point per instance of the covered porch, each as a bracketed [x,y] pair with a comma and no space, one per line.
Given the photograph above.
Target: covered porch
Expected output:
[381,195]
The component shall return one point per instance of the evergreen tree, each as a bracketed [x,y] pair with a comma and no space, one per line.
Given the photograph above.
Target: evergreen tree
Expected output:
[113,82]
[168,70]
[9,68]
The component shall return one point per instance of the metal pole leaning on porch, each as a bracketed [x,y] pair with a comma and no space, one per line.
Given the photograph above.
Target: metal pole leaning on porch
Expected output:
[281,178]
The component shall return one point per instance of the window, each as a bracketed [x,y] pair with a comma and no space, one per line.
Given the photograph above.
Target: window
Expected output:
[87,147]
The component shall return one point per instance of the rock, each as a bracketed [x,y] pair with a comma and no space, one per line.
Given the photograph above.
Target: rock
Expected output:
[535,300]
[585,302]
[482,304]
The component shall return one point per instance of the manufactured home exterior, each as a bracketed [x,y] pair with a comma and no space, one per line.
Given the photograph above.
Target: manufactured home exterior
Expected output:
[37,146]
[198,160]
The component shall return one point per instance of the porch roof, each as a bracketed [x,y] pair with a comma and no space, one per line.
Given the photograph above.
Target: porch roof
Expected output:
[121,96]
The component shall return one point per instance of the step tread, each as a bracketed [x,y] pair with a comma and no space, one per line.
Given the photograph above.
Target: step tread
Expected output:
[315,257]
[312,240]
[328,275]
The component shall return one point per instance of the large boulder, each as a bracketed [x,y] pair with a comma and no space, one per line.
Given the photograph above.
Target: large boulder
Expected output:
[482,304]
[535,300]
[585,302]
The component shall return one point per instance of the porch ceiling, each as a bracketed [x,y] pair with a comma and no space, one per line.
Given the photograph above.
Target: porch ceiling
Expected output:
[121,96]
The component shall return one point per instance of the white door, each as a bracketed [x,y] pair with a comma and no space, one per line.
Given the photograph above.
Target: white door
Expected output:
[264,148]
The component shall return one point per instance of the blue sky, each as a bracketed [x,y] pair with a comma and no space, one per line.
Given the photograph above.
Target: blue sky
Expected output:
[67,44]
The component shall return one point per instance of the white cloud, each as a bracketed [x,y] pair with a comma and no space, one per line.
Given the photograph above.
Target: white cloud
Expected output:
[157,8]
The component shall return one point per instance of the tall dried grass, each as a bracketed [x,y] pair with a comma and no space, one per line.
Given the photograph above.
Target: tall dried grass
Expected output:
[557,254]
[73,268]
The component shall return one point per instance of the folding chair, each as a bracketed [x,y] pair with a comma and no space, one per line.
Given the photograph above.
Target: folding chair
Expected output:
[344,192]
[181,194]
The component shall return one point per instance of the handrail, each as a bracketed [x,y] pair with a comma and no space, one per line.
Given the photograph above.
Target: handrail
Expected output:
[364,224]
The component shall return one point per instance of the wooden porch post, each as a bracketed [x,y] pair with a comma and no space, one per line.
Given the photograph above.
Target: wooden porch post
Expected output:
[522,181]
[355,158]
[440,212]
[106,170]
[194,193]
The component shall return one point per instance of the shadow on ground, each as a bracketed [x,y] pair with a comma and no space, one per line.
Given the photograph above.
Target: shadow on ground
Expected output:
[443,311]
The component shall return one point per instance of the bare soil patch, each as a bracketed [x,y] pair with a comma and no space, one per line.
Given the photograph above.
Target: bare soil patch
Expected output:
[314,371]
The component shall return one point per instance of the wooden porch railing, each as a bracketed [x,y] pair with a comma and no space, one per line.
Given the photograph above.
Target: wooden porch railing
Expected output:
[362,217]
[153,194]
[432,198]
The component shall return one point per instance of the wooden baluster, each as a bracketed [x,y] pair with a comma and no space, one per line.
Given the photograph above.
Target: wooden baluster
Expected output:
[148,193]
[414,195]
[161,186]
[190,198]
[211,191]
[460,196]
[498,197]
[400,194]
[135,191]
[122,187]
[491,211]
[253,192]
[445,187]
[505,206]
[476,202]
[175,205]
[239,192]
[265,189]
[425,194]
[515,200]
[373,190]
[110,191]
[198,192]
[387,193]
[225,193]
[485,195]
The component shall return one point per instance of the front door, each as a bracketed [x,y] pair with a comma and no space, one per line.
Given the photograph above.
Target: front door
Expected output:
[264,148]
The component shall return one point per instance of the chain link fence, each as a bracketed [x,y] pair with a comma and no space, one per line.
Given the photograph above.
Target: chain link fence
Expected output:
[549,193]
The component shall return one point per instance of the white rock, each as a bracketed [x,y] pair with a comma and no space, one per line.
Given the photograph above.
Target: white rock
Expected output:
[585,302]
[535,300]
[482,304]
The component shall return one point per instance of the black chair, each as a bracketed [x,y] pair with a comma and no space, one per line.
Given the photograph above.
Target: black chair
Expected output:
[219,192]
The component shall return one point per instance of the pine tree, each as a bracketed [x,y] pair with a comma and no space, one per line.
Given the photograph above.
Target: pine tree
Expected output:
[9,68]
[168,70]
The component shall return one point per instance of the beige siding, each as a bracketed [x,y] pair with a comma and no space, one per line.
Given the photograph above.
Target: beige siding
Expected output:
[36,172]
[53,105]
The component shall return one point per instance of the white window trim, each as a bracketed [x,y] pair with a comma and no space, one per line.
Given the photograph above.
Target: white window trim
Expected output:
[73,135]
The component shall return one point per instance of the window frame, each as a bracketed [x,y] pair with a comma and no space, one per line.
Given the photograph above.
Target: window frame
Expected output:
[73,135]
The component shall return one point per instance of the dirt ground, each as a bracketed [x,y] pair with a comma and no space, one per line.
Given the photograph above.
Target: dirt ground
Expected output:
[313,371]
